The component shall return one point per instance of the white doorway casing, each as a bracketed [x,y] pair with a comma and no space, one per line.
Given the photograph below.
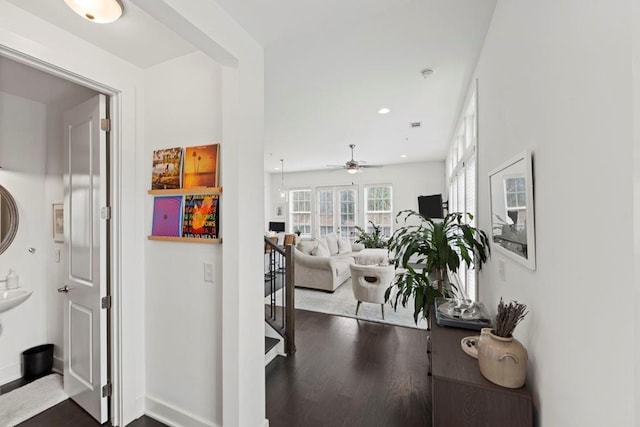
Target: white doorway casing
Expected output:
[30,39]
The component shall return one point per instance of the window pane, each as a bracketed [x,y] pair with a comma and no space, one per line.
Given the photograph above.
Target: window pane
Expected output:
[300,211]
[378,208]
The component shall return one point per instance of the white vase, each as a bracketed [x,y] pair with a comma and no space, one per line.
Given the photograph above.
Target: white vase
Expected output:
[503,361]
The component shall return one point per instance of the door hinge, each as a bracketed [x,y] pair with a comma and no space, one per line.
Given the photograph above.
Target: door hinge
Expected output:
[105,212]
[105,125]
[106,302]
[107,389]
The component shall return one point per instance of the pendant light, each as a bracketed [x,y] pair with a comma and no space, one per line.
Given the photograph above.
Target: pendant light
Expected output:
[99,11]
[282,191]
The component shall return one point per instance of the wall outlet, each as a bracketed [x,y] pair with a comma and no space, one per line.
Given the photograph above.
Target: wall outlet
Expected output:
[502,275]
[208,272]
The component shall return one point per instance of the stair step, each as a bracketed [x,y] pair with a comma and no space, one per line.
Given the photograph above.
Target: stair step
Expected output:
[269,343]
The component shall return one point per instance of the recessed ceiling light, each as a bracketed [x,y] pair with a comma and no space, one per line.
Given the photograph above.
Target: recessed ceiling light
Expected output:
[384,110]
[276,169]
[426,73]
[403,155]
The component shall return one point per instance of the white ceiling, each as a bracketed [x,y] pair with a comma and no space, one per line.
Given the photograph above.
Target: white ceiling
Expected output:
[135,37]
[329,66]
[26,82]
[323,89]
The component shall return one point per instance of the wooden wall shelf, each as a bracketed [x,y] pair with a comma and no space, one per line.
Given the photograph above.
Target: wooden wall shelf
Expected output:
[178,191]
[182,192]
[184,239]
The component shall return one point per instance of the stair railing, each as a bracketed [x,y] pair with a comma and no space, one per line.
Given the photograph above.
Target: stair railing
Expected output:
[279,284]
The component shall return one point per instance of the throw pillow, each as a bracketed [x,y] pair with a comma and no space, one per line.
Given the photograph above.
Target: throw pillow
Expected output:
[332,243]
[344,246]
[306,246]
[322,241]
[320,251]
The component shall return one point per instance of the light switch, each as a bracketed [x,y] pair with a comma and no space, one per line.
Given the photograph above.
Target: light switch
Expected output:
[501,270]
[208,272]
[56,255]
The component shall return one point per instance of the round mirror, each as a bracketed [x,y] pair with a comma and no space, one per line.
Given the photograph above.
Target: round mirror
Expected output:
[8,219]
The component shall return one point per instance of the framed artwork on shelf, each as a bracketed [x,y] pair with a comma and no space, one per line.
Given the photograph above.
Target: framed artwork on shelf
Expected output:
[166,216]
[201,166]
[166,173]
[200,219]
[58,222]
[512,213]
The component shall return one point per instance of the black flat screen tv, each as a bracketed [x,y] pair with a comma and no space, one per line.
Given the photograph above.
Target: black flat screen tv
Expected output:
[430,206]
[276,226]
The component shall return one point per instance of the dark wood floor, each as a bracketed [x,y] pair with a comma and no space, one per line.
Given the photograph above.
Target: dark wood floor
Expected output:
[68,413]
[350,373]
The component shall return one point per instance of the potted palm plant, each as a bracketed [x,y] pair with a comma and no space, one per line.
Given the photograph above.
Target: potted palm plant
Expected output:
[424,247]
[373,239]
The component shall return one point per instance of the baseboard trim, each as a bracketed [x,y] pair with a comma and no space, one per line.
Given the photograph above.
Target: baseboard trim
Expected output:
[58,365]
[171,415]
[139,405]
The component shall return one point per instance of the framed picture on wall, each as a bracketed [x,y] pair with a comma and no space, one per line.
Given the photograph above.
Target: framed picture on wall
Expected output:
[512,216]
[279,212]
[58,222]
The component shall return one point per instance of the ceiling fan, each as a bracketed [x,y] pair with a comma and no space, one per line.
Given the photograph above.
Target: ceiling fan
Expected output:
[353,166]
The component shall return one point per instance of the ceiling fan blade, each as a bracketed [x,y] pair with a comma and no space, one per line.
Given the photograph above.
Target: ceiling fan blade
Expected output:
[371,166]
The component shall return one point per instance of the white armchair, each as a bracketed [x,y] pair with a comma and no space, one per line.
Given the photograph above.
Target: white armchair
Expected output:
[369,283]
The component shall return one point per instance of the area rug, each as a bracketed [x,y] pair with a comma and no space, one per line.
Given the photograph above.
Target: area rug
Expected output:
[342,303]
[29,400]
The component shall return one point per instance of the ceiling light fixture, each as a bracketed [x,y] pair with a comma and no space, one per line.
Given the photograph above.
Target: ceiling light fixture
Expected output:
[282,191]
[384,110]
[99,11]
[403,155]
[353,171]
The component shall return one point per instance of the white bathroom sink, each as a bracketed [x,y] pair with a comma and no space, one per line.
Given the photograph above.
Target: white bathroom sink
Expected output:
[10,298]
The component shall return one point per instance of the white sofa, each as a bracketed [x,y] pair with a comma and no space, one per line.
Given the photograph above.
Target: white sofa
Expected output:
[317,269]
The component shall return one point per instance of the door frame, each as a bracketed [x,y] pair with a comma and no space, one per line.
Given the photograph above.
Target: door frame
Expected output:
[113,243]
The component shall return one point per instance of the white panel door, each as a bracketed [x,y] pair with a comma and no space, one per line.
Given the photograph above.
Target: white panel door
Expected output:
[85,192]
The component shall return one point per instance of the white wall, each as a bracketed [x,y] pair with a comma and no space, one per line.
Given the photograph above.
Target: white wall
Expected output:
[183,320]
[409,181]
[636,201]
[22,154]
[31,36]
[211,29]
[243,397]
[555,77]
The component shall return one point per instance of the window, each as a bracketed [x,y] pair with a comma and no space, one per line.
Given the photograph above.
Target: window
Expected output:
[300,211]
[337,209]
[461,175]
[325,211]
[378,208]
[348,212]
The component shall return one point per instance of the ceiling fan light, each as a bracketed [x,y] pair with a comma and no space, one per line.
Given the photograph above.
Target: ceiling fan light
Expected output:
[352,171]
[98,11]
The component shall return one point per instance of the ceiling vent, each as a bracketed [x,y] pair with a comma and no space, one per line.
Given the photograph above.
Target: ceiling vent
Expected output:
[415,124]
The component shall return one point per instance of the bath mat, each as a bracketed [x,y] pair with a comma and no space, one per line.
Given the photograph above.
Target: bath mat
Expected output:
[29,400]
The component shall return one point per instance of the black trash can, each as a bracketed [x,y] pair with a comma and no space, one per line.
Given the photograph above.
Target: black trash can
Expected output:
[37,361]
